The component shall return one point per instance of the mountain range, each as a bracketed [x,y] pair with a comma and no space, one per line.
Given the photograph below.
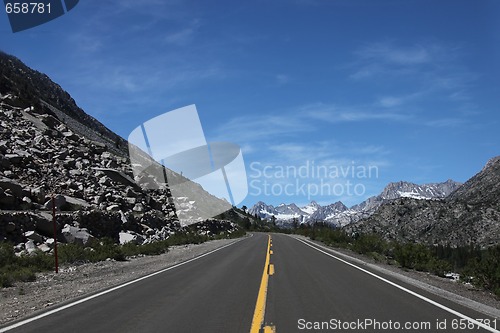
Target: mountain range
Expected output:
[468,216]
[340,215]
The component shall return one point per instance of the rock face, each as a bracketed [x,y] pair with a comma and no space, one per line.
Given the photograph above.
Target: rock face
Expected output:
[469,215]
[49,146]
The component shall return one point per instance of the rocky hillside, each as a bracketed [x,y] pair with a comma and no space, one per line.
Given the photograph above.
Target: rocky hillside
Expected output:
[48,145]
[469,215]
[36,89]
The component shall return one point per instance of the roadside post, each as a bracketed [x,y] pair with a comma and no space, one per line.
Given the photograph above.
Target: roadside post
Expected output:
[55,233]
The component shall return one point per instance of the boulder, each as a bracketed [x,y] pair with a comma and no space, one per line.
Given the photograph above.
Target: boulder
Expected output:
[59,201]
[119,177]
[30,246]
[50,242]
[9,184]
[129,236]
[44,248]
[75,235]
[44,224]
[71,136]
[50,121]
[38,194]
[75,203]
[113,208]
[14,158]
[34,236]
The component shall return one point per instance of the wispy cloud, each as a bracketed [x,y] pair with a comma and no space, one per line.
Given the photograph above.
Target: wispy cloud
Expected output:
[360,113]
[388,53]
[251,129]
[282,79]
[185,34]
[413,77]
[446,122]
[390,59]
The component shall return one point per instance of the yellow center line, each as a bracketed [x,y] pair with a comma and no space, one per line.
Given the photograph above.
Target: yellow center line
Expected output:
[260,306]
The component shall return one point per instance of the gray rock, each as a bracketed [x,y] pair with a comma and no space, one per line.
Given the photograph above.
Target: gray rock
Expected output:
[106,156]
[75,172]
[14,158]
[44,248]
[71,136]
[138,208]
[130,193]
[119,177]
[104,181]
[9,184]
[45,226]
[75,235]
[50,242]
[127,237]
[30,246]
[113,208]
[38,194]
[34,236]
[75,203]
[50,121]
[59,201]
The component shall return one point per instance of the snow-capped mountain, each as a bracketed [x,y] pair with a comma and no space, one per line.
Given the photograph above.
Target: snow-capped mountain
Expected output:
[283,212]
[340,215]
[336,213]
[403,189]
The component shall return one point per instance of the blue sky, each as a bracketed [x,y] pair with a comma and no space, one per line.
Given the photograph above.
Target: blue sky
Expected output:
[410,88]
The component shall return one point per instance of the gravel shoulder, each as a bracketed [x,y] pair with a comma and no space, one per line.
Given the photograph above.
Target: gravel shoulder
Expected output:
[464,294]
[76,281]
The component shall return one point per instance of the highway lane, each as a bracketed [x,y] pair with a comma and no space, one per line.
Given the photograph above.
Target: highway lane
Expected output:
[219,293]
[310,288]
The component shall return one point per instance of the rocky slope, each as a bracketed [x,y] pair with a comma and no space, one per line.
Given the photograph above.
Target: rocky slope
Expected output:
[469,215]
[49,146]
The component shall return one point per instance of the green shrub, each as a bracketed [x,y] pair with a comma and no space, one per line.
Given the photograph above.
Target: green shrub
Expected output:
[367,243]
[484,271]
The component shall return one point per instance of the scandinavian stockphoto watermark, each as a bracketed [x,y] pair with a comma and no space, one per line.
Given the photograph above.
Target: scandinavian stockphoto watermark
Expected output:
[310,179]
[175,141]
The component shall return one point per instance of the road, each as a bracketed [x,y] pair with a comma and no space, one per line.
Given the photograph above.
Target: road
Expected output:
[263,283]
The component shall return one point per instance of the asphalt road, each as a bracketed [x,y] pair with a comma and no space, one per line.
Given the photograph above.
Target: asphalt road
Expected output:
[306,289]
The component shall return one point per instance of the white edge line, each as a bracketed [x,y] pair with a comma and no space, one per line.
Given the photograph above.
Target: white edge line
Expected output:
[428,300]
[64,307]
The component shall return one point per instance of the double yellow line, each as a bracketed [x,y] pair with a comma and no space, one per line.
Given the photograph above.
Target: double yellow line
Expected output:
[260,307]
